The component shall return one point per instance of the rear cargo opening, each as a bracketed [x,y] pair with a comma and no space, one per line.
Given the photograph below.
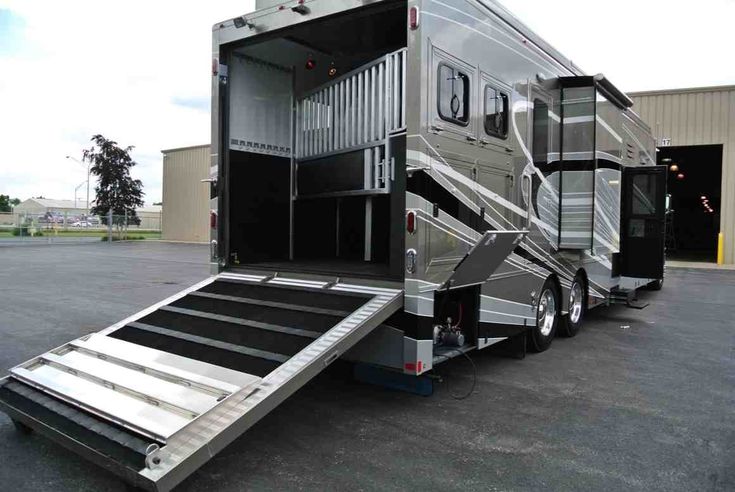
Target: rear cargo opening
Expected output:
[315,132]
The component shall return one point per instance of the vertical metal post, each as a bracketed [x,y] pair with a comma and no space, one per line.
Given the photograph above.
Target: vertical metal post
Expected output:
[332,119]
[366,106]
[396,94]
[109,226]
[292,174]
[403,88]
[373,102]
[381,100]
[336,228]
[368,228]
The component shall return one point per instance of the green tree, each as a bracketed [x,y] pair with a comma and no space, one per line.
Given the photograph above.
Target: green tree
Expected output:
[15,202]
[115,189]
[5,203]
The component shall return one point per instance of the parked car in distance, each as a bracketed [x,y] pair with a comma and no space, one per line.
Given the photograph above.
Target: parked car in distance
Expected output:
[81,223]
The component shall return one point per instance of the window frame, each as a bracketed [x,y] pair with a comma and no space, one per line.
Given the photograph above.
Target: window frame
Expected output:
[506,122]
[467,94]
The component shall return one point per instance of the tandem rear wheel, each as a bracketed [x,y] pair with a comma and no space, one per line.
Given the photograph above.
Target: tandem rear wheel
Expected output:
[547,317]
[577,307]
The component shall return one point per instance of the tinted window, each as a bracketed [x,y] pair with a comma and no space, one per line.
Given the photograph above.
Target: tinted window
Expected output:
[454,95]
[540,132]
[496,112]
[644,194]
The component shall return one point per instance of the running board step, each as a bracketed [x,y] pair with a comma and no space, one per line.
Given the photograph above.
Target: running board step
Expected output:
[155,396]
[626,297]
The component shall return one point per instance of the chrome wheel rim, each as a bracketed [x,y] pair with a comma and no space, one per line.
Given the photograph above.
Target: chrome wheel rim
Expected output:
[546,312]
[576,299]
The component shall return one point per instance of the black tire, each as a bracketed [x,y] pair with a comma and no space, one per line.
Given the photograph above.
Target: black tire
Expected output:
[655,285]
[572,322]
[540,338]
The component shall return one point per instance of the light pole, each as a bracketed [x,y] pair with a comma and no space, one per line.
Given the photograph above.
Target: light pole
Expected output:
[75,194]
[88,166]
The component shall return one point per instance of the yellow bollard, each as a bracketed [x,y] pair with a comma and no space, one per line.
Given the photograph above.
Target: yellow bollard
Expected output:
[720,249]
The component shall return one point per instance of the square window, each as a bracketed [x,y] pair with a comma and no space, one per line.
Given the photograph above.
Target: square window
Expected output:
[454,95]
[496,112]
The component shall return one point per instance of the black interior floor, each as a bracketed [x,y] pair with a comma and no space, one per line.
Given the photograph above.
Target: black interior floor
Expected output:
[330,266]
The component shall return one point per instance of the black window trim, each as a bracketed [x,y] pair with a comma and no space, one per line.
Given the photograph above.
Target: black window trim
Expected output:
[505,112]
[468,95]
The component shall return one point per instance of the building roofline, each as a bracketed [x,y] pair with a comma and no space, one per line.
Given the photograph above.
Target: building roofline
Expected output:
[175,149]
[684,90]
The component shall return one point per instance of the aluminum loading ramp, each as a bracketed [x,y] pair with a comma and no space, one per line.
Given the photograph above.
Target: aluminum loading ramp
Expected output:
[154,397]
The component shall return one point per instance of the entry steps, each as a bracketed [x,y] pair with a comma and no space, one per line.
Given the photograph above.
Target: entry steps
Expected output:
[627,297]
[154,397]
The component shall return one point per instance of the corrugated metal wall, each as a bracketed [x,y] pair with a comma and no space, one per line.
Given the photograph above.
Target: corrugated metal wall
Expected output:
[698,116]
[185,197]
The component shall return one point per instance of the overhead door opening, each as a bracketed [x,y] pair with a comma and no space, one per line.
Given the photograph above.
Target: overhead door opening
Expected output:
[694,183]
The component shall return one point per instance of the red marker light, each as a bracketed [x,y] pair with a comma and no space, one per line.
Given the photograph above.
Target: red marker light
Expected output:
[413,18]
[411,222]
[310,63]
[213,220]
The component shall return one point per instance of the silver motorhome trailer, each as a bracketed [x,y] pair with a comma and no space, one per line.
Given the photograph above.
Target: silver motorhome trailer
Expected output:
[394,183]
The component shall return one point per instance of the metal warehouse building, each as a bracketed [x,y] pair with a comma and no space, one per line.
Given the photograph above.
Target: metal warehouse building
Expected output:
[694,130]
[185,197]
[695,133]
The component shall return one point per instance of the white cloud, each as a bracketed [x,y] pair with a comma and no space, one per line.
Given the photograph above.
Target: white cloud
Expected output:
[139,71]
[639,44]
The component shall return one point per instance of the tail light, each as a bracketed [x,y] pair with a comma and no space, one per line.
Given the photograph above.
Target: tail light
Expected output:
[213,219]
[413,18]
[411,222]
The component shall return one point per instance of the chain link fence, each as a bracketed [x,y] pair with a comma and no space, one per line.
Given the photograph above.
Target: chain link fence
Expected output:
[68,227]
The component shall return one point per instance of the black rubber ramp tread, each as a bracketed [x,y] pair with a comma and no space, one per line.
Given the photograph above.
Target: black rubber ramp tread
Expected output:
[215,328]
[185,348]
[283,317]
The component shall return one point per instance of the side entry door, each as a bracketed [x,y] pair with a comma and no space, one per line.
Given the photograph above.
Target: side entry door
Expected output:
[642,227]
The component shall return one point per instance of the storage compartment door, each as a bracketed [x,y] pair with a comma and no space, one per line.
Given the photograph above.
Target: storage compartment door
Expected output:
[644,208]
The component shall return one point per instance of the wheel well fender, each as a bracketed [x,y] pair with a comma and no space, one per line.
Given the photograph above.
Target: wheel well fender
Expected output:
[582,273]
[559,291]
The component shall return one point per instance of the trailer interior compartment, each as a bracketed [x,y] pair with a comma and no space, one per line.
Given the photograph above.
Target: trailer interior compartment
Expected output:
[316,133]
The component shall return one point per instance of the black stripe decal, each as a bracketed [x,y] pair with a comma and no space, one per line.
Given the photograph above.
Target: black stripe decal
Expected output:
[429,189]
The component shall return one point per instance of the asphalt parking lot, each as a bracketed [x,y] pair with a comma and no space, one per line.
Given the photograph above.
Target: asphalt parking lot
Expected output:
[639,400]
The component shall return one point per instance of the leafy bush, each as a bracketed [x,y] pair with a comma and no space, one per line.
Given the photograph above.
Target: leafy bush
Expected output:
[24,231]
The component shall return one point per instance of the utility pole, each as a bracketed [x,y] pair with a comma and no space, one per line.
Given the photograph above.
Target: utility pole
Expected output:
[88,168]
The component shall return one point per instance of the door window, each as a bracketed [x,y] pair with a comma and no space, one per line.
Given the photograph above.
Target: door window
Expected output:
[644,195]
[454,95]
[496,112]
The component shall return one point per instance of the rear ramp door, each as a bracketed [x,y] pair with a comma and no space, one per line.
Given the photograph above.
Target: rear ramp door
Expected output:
[155,396]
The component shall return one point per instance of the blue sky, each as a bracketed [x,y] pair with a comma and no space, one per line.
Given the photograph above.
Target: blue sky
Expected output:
[138,71]
[11,32]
